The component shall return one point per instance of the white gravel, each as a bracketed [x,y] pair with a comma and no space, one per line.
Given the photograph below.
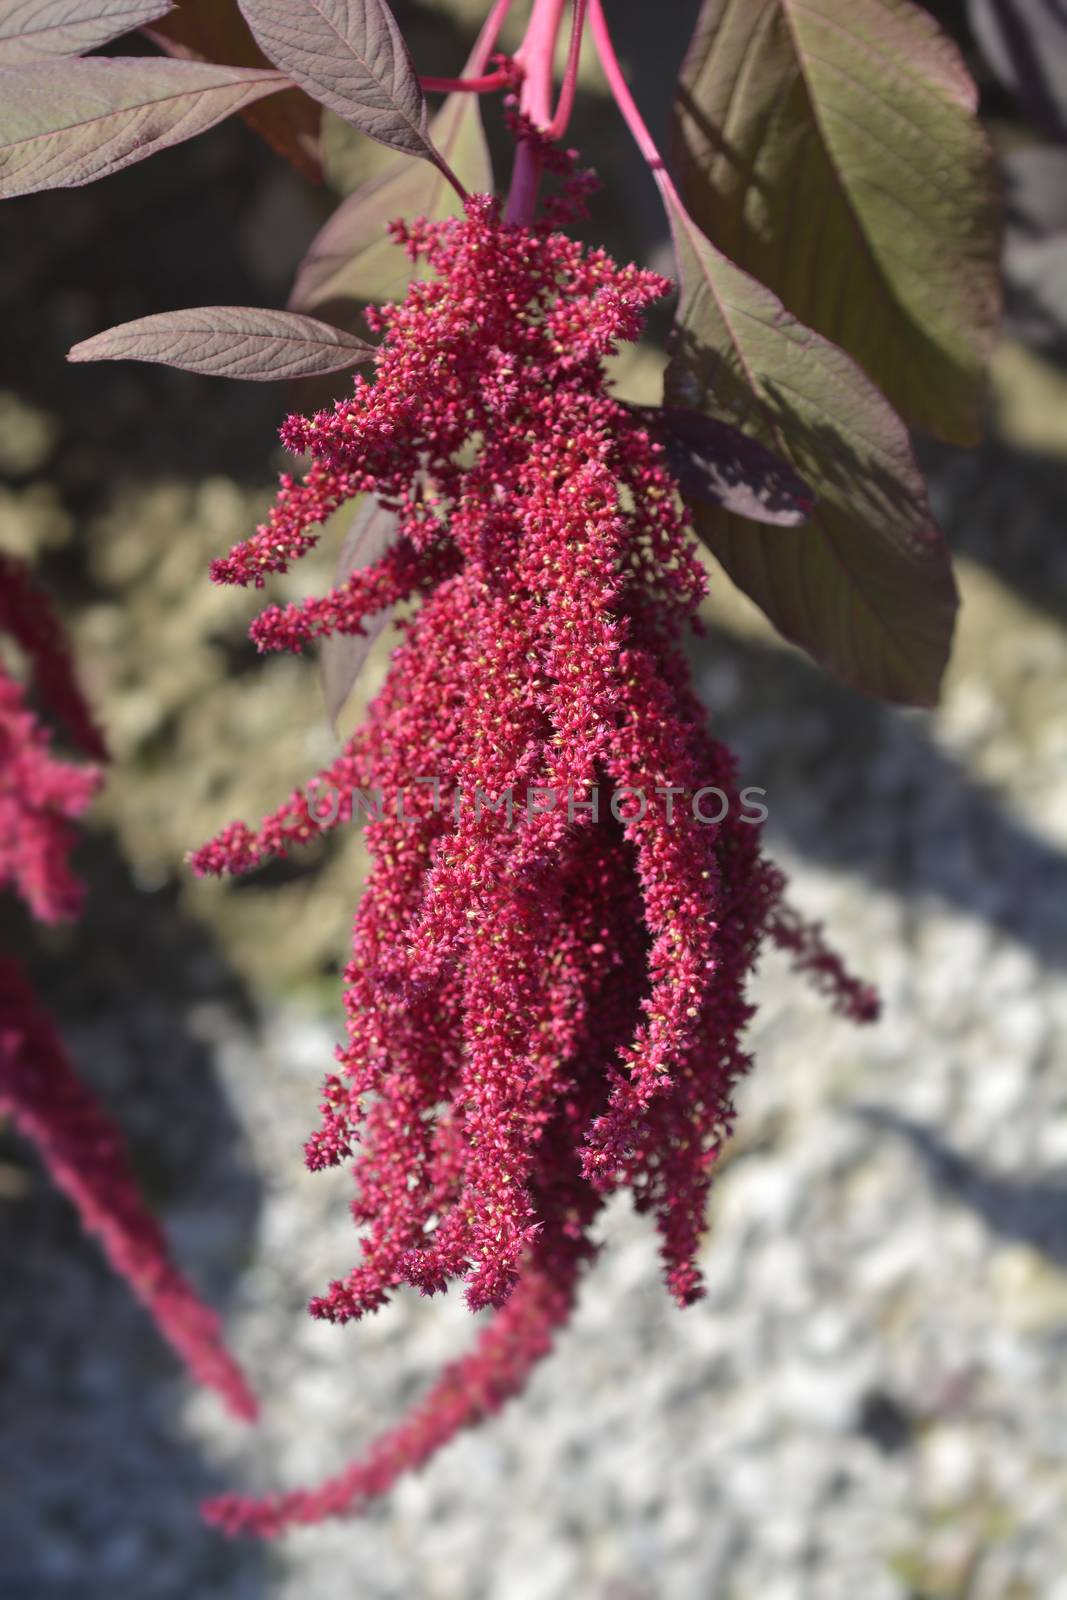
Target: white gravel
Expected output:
[871,1401]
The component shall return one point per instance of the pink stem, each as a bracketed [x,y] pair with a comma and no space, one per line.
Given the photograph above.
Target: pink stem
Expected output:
[558,126]
[525,182]
[492,80]
[483,47]
[627,105]
[536,55]
[476,64]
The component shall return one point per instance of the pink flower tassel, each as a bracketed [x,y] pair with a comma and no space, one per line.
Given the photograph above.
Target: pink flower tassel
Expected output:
[86,1157]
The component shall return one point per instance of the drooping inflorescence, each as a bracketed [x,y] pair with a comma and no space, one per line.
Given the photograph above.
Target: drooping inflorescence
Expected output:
[546,998]
[42,796]
[86,1155]
[27,614]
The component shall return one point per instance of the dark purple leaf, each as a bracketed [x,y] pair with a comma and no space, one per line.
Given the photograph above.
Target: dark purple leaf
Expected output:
[39,30]
[720,465]
[230,342]
[1025,42]
[342,655]
[71,122]
[349,56]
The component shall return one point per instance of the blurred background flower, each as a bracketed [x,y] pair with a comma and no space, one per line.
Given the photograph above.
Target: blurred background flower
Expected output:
[873,1397]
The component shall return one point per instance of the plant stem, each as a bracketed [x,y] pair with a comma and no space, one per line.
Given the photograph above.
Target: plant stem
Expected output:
[476,64]
[537,54]
[492,80]
[620,89]
[558,126]
[486,40]
[536,59]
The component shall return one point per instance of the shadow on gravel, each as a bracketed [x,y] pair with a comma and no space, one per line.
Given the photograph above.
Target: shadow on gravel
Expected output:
[1004,507]
[1033,1214]
[100,1484]
[855,785]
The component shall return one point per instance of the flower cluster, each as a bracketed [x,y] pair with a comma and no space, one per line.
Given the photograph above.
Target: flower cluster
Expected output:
[41,796]
[26,613]
[537,1014]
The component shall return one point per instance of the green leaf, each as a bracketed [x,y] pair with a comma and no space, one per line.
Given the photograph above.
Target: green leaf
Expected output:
[831,148]
[352,261]
[865,586]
